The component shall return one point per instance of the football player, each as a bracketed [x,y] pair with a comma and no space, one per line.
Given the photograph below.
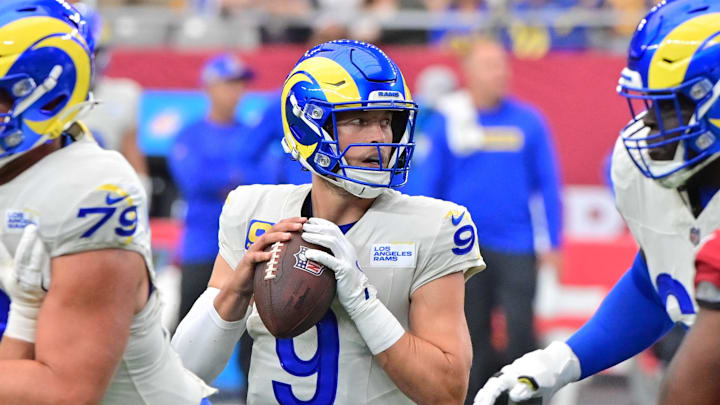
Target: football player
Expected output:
[665,175]
[86,330]
[695,370]
[396,332]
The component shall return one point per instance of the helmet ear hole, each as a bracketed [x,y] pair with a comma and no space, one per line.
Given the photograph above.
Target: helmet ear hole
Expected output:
[53,104]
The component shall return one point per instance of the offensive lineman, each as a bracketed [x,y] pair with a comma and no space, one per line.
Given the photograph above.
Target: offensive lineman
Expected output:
[88,329]
[665,176]
[396,333]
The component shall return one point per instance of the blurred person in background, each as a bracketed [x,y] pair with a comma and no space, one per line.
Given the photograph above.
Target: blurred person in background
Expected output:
[114,120]
[499,154]
[208,159]
[432,84]
[665,175]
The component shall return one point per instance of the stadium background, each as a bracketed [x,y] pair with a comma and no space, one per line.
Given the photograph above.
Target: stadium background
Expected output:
[566,58]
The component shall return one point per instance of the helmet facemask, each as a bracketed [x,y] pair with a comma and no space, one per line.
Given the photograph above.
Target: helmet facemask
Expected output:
[669,138]
[331,161]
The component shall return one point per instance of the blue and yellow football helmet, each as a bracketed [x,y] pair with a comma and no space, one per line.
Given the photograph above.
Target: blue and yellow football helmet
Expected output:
[672,79]
[45,72]
[347,75]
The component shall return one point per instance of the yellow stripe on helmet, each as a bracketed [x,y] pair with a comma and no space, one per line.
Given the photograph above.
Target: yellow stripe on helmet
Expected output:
[674,54]
[19,35]
[336,83]
[304,150]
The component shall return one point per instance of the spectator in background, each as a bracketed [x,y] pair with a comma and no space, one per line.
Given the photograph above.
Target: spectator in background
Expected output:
[433,82]
[499,154]
[208,159]
[114,120]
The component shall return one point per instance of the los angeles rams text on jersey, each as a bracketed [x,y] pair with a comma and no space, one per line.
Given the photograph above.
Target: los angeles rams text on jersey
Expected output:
[402,243]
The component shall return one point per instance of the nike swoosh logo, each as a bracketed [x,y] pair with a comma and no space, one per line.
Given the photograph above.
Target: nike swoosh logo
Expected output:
[456,221]
[110,201]
[340,83]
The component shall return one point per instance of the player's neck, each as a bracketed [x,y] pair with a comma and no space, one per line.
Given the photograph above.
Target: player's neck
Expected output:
[335,204]
[15,167]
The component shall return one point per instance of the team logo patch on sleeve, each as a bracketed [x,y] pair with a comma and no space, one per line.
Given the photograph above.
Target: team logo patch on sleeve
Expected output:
[302,263]
[393,254]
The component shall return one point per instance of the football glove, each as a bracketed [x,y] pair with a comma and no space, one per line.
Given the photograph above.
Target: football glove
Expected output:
[25,280]
[538,374]
[377,325]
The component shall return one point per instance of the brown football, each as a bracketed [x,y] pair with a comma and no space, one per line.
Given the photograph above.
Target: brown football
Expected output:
[292,294]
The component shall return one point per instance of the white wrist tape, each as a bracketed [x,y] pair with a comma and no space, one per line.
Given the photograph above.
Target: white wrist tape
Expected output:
[204,340]
[378,326]
[22,322]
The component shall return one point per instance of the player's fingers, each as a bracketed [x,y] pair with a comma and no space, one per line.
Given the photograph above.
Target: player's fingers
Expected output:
[289,225]
[492,389]
[322,258]
[319,239]
[257,256]
[522,391]
[268,238]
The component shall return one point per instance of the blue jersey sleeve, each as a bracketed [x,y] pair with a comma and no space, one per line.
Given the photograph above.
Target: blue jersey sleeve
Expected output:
[631,318]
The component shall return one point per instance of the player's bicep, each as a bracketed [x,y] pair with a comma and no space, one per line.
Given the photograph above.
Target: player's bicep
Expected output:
[84,323]
[437,315]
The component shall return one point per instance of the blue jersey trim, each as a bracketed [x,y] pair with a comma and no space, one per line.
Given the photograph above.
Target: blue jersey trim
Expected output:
[630,319]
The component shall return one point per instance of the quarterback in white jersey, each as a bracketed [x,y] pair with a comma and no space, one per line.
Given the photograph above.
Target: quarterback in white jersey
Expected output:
[396,331]
[84,323]
[665,177]
[417,231]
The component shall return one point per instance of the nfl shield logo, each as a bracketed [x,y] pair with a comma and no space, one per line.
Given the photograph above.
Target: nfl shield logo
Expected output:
[695,235]
[302,263]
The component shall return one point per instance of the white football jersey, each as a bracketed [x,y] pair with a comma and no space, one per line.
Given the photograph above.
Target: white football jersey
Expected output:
[85,198]
[402,243]
[666,230]
[116,113]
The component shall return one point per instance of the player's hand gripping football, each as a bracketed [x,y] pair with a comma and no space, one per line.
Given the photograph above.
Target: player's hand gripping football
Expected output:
[377,325]
[240,282]
[538,374]
[25,280]
[353,289]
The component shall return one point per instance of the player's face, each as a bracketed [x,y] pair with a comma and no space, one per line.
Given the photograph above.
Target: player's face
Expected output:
[6,102]
[365,127]
[671,119]
[225,95]
[487,71]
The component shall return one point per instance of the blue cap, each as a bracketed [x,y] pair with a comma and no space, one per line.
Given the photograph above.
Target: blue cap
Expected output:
[225,67]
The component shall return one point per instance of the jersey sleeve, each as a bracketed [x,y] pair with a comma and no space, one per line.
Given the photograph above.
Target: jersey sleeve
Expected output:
[233,242]
[453,249]
[707,274]
[105,215]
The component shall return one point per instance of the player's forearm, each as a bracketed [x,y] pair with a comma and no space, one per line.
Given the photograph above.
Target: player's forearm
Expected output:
[29,382]
[630,319]
[426,373]
[204,339]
